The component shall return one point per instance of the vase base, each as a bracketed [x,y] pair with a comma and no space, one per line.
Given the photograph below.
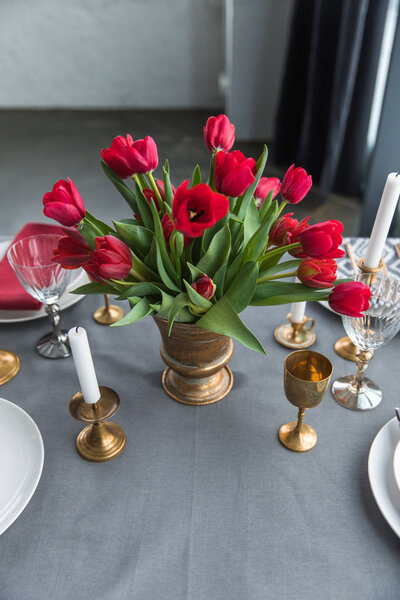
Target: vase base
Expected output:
[198,392]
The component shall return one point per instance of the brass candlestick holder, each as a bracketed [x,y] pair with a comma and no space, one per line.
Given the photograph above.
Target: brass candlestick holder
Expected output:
[344,346]
[9,365]
[109,313]
[306,379]
[296,335]
[100,441]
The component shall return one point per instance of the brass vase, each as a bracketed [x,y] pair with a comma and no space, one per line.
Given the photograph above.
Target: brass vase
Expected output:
[196,362]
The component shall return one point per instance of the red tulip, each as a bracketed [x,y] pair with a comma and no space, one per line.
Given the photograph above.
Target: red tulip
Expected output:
[72,250]
[197,208]
[151,195]
[317,273]
[350,299]
[286,230]
[233,173]
[322,240]
[204,286]
[295,185]
[64,203]
[112,259]
[126,157]
[264,187]
[219,133]
[168,227]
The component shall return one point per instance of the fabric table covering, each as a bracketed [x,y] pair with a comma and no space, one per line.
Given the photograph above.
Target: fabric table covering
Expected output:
[204,503]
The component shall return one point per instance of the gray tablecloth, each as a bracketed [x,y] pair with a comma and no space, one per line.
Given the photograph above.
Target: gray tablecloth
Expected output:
[204,503]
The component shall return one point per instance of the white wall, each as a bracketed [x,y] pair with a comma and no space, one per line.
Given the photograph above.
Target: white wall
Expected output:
[111,53]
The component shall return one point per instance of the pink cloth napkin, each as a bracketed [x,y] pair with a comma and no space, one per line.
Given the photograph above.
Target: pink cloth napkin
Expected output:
[12,294]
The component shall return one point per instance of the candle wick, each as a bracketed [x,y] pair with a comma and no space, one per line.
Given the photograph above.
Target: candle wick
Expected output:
[397,174]
[77,329]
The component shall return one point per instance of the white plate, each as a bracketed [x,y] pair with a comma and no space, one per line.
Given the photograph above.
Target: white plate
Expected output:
[21,461]
[78,277]
[381,475]
[396,464]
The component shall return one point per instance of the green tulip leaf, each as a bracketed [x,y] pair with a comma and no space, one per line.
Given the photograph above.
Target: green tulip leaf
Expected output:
[242,288]
[165,278]
[196,177]
[145,288]
[136,236]
[123,189]
[178,303]
[217,252]
[251,221]
[96,288]
[272,293]
[168,193]
[144,208]
[222,318]
[141,310]
[195,297]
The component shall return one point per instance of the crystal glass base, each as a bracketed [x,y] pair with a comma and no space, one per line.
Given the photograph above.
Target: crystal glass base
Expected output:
[50,346]
[347,395]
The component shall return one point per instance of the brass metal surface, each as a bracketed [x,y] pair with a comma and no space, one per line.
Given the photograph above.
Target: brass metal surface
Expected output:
[196,362]
[100,441]
[306,379]
[344,347]
[109,313]
[10,364]
[296,335]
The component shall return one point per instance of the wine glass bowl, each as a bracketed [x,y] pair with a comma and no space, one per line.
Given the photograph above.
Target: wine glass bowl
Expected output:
[306,379]
[32,261]
[378,325]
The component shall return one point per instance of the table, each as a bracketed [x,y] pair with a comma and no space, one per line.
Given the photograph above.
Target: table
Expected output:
[204,503]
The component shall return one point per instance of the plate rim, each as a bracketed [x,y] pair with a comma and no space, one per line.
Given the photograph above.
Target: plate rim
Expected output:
[373,485]
[396,470]
[22,319]
[21,507]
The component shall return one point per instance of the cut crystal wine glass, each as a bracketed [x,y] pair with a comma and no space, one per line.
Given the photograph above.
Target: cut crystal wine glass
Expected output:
[45,280]
[376,327]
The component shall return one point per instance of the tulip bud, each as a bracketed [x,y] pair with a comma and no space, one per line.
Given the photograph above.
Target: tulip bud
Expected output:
[317,273]
[64,203]
[351,298]
[322,240]
[204,286]
[112,259]
[295,185]
[264,187]
[233,173]
[219,133]
[126,157]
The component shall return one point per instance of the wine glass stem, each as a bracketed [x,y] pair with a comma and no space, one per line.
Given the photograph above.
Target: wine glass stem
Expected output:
[362,364]
[300,417]
[53,310]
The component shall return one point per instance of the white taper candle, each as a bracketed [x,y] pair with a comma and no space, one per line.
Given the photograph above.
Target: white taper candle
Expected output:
[297,309]
[383,220]
[84,364]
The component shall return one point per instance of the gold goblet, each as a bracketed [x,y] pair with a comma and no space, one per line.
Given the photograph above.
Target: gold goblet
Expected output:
[306,379]
[109,313]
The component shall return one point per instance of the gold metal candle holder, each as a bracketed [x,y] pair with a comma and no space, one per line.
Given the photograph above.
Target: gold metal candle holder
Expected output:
[306,379]
[100,441]
[9,365]
[296,335]
[344,346]
[108,314]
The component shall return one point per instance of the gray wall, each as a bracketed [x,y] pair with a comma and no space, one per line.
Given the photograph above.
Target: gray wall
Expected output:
[111,53]
[256,40]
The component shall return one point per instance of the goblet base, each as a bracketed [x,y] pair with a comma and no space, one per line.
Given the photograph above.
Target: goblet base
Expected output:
[369,396]
[297,439]
[9,365]
[108,315]
[53,347]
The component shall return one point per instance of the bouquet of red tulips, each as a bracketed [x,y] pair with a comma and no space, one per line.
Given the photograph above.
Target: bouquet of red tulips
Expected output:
[203,252]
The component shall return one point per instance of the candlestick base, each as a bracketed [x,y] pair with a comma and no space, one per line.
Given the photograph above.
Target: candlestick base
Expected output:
[9,365]
[100,441]
[296,335]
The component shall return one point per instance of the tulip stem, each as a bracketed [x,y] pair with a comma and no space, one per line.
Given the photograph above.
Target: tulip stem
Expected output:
[136,178]
[155,188]
[282,206]
[281,276]
[211,175]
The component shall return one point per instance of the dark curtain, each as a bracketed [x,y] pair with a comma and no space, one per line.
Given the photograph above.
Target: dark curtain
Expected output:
[327,90]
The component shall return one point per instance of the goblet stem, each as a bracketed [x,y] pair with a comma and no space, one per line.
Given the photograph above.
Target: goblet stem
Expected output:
[363,358]
[107,301]
[53,311]
[300,419]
